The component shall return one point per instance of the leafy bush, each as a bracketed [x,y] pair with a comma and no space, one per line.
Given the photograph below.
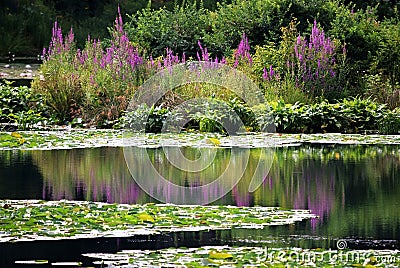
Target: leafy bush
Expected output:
[205,115]
[21,106]
[353,115]
[144,118]
[390,122]
[373,46]
[178,30]
[260,20]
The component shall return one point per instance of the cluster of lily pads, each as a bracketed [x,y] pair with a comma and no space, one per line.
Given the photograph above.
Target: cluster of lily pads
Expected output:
[27,220]
[227,256]
[68,139]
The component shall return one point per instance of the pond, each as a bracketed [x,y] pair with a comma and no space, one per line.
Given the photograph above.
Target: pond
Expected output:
[354,189]
[19,72]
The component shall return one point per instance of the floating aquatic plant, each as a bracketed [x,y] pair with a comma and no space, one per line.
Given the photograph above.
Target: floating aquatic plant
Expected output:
[28,220]
[226,256]
[49,140]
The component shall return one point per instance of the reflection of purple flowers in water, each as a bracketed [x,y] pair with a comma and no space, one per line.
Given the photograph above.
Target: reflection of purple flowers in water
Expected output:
[91,176]
[317,194]
[240,199]
[122,190]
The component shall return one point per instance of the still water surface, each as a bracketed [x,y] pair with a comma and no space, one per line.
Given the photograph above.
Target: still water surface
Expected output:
[355,190]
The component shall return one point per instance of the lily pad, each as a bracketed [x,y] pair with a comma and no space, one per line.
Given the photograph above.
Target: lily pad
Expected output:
[226,256]
[27,220]
[65,138]
[30,262]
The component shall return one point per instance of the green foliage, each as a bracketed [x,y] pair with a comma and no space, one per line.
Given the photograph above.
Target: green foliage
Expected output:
[144,118]
[214,116]
[372,44]
[353,115]
[206,116]
[260,20]
[378,87]
[21,106]
[387,58]
[178,30]
[25,27]
[390,122]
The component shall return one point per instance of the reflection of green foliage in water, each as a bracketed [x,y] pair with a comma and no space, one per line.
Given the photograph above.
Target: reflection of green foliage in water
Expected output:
[338,182]
[102,173]
[352,188]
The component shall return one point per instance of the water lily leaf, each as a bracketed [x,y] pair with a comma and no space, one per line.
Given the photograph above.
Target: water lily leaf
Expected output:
[146,217]
[74,264]
[220,255]
[32,262]
[213,141]
[16,135]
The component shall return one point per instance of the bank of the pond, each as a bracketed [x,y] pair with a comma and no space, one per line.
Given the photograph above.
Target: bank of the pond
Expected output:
[79,138]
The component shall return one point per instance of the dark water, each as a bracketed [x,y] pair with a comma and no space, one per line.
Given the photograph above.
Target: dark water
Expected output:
[355,190]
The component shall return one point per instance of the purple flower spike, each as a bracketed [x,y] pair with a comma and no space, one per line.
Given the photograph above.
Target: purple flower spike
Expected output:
[243,52]
[265,74]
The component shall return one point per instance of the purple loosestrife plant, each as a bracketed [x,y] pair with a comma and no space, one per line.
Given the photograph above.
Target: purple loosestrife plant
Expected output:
[307,66]
[59,81]
[313,62]
[209,61]
[92,83]
[242,54]
[112,73]
[270,74]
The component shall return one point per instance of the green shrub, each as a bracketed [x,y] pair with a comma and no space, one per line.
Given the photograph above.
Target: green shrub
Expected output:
[205,115]
[178,30]
[21,106]
[144,118]
[358,115]
[260,20]
[373,46]
[390,122]
[353,115]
